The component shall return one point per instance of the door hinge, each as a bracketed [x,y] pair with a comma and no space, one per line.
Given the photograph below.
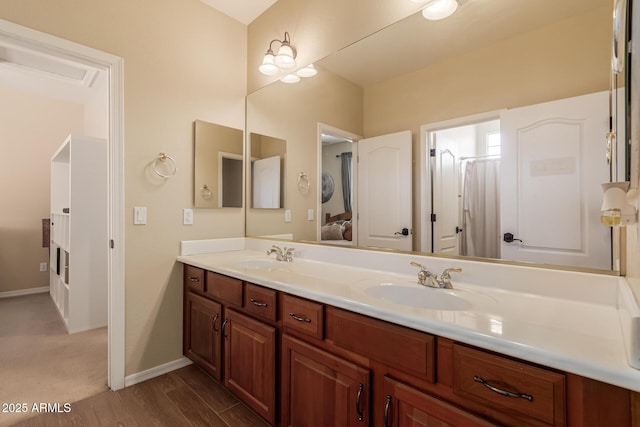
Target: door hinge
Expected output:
[112,244]
[432,152]
[433,217]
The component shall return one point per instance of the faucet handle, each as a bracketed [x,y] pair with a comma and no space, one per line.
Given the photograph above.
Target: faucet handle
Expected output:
[420,266]
[445,274]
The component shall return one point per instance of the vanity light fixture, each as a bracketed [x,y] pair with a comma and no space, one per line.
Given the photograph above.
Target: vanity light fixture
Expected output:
[617,208]
[272,64]
[435,10]
[290,78]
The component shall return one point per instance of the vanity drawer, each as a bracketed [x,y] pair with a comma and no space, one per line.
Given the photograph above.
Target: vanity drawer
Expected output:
[303,315]
[381,341]
[224,288]
[260,301]
[509,385]
[194,278]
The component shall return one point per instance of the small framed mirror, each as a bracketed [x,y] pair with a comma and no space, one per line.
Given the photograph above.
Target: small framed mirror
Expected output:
[218,166]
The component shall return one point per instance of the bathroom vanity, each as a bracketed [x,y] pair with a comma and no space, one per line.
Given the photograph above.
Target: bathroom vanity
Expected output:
[338,337]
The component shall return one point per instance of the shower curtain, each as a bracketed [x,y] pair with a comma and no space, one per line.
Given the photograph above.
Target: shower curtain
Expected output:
[481,209]
[345,158]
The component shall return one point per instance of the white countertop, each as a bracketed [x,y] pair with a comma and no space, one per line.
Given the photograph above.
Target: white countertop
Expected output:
[575,327]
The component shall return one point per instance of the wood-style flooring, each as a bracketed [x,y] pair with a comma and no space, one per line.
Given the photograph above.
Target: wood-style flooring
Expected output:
[185,397]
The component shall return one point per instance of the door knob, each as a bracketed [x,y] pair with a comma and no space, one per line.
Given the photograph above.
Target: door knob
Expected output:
[404,232]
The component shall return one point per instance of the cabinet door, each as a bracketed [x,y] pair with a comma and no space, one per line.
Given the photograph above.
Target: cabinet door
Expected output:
[405,406]
[250,362]
[320,389]
[202,341]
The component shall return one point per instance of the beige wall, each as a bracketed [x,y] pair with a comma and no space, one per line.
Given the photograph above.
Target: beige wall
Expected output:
[182,61]
[292,113]
[565,59]
[33,127]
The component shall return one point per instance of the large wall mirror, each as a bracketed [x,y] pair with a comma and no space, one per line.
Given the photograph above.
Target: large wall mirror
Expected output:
[218,166]
[424,78]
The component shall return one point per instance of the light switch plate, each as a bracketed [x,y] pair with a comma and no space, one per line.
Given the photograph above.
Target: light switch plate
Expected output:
[139,215]
[187,217]
[310,215]
[287,215]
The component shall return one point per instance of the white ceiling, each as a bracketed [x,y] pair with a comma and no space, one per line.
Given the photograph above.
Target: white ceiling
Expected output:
[244,11]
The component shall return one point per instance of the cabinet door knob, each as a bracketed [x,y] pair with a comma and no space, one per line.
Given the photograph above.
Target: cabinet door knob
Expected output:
[387,407]
[194,279]
[299,319]
[358,397]
[501,391]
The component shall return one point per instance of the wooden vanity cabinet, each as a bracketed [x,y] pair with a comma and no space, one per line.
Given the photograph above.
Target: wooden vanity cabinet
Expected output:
[202,340]
[320,389]
[339,368]
[250,362]
[227,338]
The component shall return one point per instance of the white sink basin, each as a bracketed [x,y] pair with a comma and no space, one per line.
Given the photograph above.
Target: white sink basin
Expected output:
[419,296]
[260,264]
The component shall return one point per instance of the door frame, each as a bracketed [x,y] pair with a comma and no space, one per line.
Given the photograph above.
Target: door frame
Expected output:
[114,65]
[331,130]
[425,182]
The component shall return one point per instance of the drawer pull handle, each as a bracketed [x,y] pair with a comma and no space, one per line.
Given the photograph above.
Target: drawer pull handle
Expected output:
[194,279]
[299,319]
[215,319]
[257,303]
[500,391]
[387,406]
[358,397]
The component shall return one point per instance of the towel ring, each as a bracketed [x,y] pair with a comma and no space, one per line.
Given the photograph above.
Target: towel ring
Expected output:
[303,182]
[162,159]
[205,192]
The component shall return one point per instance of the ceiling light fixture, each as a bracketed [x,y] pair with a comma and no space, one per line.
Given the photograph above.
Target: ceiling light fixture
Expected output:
[272,64]
[439,9]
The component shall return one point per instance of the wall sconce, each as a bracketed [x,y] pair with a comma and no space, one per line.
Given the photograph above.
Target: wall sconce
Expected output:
[285,59]
[617,209]
[435,10]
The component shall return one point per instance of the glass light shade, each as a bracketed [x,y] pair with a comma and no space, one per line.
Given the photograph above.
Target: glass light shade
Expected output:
[616,209]
[268,66]
[285,59]
[290,78]
[308,71]
[439,9]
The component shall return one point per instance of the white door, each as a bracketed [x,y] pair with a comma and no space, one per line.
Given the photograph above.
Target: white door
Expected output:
[446,196]
[385,191]
[266,183]
[553,162]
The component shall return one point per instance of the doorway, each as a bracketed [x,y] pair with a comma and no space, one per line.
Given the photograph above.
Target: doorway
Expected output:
[72,53]
[459,161]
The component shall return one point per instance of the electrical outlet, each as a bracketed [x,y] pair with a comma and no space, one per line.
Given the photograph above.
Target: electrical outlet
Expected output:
[287,215]
[43,266]
[187,217]
[310,215]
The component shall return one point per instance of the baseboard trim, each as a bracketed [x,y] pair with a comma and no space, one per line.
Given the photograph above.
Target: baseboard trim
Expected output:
[156,371]
[21,292]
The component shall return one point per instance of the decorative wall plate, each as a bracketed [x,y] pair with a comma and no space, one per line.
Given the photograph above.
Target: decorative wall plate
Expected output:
[327,187]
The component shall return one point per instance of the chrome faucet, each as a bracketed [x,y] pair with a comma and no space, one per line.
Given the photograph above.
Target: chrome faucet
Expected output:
[427,278]
[285,254]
